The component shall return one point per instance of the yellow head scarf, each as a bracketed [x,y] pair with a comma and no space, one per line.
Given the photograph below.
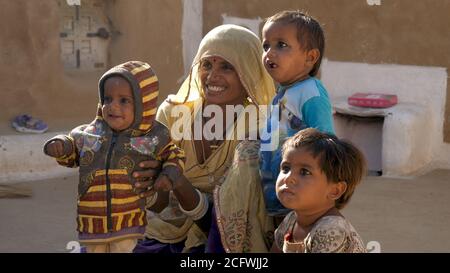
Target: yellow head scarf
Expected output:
[242,49]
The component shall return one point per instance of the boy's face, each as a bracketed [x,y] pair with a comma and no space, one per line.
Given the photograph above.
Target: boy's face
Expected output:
[301,184]
[118,103]
[284,57]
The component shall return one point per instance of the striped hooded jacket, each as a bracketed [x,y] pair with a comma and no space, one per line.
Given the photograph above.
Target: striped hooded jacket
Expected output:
[108,208]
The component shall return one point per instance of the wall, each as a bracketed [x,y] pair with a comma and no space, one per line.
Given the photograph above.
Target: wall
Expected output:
[32,78]
[149,31]
[412,131]
[395,32]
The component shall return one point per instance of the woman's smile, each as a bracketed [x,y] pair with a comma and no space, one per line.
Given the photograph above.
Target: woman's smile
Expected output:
[215,89]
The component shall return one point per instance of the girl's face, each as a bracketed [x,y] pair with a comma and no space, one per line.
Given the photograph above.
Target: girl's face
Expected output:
[301,184]
[220,81]
[284,57]
[118,104]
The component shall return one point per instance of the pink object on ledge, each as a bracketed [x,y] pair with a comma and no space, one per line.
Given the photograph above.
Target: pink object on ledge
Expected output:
[373,100]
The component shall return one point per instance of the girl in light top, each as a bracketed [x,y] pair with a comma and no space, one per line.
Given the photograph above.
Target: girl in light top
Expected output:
[318,175]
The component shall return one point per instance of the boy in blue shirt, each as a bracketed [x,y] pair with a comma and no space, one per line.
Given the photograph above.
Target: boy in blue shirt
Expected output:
[293,45]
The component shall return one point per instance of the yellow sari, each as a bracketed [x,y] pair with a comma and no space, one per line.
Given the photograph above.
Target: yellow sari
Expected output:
[232,170]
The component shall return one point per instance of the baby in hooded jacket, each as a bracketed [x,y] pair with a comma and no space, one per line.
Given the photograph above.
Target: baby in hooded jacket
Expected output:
[110,213]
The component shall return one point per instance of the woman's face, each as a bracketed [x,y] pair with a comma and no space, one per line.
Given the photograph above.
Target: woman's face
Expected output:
[220,81]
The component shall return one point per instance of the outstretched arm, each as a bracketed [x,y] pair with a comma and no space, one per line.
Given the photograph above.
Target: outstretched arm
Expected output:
[62,148]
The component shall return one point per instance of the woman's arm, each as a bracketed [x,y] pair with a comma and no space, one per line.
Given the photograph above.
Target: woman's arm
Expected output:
[184,191]
[186,194]
[145,185]
[161,202]
[182,188]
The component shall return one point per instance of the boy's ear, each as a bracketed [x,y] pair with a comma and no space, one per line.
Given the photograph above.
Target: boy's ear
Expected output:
[337,190]
[312,56]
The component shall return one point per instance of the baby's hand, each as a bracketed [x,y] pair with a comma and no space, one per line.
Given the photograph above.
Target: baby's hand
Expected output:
[55,148]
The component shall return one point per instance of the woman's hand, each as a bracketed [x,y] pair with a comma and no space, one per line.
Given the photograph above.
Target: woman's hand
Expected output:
[183,189]
[146,177]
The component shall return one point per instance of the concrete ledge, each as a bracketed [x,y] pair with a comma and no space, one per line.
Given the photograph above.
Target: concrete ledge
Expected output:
[404,139]
[22,159]
[407,142]
[413,132]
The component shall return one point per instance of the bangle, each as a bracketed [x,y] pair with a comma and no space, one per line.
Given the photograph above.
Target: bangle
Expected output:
[151,200]
[199,211]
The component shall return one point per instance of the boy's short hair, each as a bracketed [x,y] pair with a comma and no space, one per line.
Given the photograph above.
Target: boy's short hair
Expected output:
[309,32]
[338,159]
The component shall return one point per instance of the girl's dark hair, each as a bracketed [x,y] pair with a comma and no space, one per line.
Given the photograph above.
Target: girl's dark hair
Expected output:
[340,160]
[309,32]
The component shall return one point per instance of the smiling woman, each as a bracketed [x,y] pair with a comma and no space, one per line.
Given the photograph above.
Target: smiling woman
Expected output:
[227,70]
[221,82]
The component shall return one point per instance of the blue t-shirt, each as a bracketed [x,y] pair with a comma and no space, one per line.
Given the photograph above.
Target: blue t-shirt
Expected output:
[304,104]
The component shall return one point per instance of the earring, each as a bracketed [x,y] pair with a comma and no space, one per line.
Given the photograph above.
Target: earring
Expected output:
[246,102]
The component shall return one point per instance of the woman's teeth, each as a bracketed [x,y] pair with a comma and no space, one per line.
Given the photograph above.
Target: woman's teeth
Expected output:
[215,88]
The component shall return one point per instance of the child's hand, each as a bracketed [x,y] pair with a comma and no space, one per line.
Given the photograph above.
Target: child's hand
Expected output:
[55,148]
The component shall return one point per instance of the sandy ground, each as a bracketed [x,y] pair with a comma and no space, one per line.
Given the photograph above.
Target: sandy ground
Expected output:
[402,215]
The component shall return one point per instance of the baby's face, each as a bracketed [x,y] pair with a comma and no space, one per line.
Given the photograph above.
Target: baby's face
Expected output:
[118,104]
